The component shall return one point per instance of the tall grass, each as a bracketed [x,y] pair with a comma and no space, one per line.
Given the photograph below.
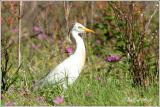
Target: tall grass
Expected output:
[100,83]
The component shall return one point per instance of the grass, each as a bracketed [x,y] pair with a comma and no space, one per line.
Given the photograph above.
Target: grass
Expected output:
[100,83]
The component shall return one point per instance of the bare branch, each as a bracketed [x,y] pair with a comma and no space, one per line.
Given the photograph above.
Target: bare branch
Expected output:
[147,25]
[67,8]
[19,33]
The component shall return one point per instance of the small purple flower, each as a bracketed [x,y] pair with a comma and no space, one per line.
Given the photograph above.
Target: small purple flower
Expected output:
[37,29]
[69,51]
[112,58]
[36,46]
[42,36]
[58,100]
[9,103]
[14,30]
[40,99]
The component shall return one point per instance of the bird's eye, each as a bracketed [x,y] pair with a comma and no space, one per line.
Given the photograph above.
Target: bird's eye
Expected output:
[79,27]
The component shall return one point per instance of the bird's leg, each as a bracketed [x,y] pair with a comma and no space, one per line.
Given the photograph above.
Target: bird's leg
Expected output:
[65,84]
[64,89]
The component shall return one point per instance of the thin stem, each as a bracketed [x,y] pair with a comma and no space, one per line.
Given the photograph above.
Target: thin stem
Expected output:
[147,25]
[67,8]
[92,12]
[19,33]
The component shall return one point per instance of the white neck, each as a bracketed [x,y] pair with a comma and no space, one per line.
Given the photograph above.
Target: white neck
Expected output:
[80,48]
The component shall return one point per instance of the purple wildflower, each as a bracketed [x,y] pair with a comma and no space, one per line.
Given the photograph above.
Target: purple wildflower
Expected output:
[36,46]
[42,36]
[9,103]
[37,29]
[58,100]
[112,58]
[69,51]
[14,30]
[40,99]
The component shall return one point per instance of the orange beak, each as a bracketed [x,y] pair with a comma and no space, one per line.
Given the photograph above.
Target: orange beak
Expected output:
[88,30]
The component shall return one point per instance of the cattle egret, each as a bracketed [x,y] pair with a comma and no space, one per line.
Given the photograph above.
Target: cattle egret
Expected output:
[69,70]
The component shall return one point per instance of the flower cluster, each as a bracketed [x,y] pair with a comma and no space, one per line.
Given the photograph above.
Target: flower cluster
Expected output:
[112,58]
[58,100]
[69,51]
[40,34]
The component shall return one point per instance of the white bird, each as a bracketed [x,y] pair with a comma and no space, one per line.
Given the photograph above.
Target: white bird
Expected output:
[69,70]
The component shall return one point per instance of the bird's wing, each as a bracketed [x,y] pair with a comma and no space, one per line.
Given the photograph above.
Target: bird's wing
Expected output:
[67,71]
[59,73]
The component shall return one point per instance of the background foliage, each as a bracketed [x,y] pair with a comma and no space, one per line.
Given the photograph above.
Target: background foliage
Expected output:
[125,29]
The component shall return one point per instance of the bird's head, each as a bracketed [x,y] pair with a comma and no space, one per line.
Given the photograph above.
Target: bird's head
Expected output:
[80,28]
